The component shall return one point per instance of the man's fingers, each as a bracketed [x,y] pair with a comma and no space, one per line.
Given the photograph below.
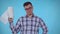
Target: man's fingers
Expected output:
[10,19]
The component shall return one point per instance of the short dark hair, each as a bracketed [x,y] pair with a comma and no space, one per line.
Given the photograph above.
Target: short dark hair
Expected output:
[27,3]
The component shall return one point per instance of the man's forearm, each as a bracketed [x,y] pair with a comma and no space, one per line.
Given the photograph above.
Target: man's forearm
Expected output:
[12,28]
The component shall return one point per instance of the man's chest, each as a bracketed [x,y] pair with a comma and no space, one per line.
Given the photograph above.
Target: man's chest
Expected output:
[29,24]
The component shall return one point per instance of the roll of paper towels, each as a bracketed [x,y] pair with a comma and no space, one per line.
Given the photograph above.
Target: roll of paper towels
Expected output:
[7,14]
[10,12]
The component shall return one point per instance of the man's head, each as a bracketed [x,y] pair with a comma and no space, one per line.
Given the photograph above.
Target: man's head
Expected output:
[28,7]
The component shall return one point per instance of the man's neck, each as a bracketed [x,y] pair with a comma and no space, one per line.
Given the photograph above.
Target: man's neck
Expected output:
[30,15]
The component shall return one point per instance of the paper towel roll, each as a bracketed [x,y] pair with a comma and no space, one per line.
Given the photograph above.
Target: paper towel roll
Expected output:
[10,12]
[7,14]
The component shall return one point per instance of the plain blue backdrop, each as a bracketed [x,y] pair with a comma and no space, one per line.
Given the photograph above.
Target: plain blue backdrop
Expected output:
[48,10]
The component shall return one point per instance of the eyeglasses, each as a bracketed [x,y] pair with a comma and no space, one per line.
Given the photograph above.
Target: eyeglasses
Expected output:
[28,8]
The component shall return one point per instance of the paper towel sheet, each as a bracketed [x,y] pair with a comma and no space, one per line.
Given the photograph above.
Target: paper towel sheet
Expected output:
[4,17]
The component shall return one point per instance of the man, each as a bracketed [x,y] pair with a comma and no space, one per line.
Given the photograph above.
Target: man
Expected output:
[28,24]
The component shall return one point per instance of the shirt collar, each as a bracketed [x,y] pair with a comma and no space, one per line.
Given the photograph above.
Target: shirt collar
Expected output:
[31,16]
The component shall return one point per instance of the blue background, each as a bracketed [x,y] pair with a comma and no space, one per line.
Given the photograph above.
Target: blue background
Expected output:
[48,10]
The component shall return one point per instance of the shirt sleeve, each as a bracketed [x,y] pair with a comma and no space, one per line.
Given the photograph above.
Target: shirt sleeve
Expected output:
[15,29]
[43,26]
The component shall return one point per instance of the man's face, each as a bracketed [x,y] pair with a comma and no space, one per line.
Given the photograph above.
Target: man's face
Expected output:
[28,9]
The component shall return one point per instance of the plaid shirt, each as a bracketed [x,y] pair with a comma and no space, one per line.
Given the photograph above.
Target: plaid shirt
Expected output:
[27,25]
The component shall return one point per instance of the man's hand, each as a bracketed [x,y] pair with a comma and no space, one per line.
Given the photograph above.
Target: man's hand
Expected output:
[10,20]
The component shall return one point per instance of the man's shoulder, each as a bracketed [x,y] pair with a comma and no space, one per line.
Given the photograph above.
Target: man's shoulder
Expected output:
[39,18]
[20,18]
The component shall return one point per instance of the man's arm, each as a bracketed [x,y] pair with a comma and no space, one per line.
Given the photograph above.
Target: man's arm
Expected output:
[15,29]
[43,26]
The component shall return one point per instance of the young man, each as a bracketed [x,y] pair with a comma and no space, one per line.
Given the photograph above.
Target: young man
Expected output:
[28,24]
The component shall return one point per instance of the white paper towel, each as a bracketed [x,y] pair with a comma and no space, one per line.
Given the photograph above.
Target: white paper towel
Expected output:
[4,17]
[10,12]
[6,14]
